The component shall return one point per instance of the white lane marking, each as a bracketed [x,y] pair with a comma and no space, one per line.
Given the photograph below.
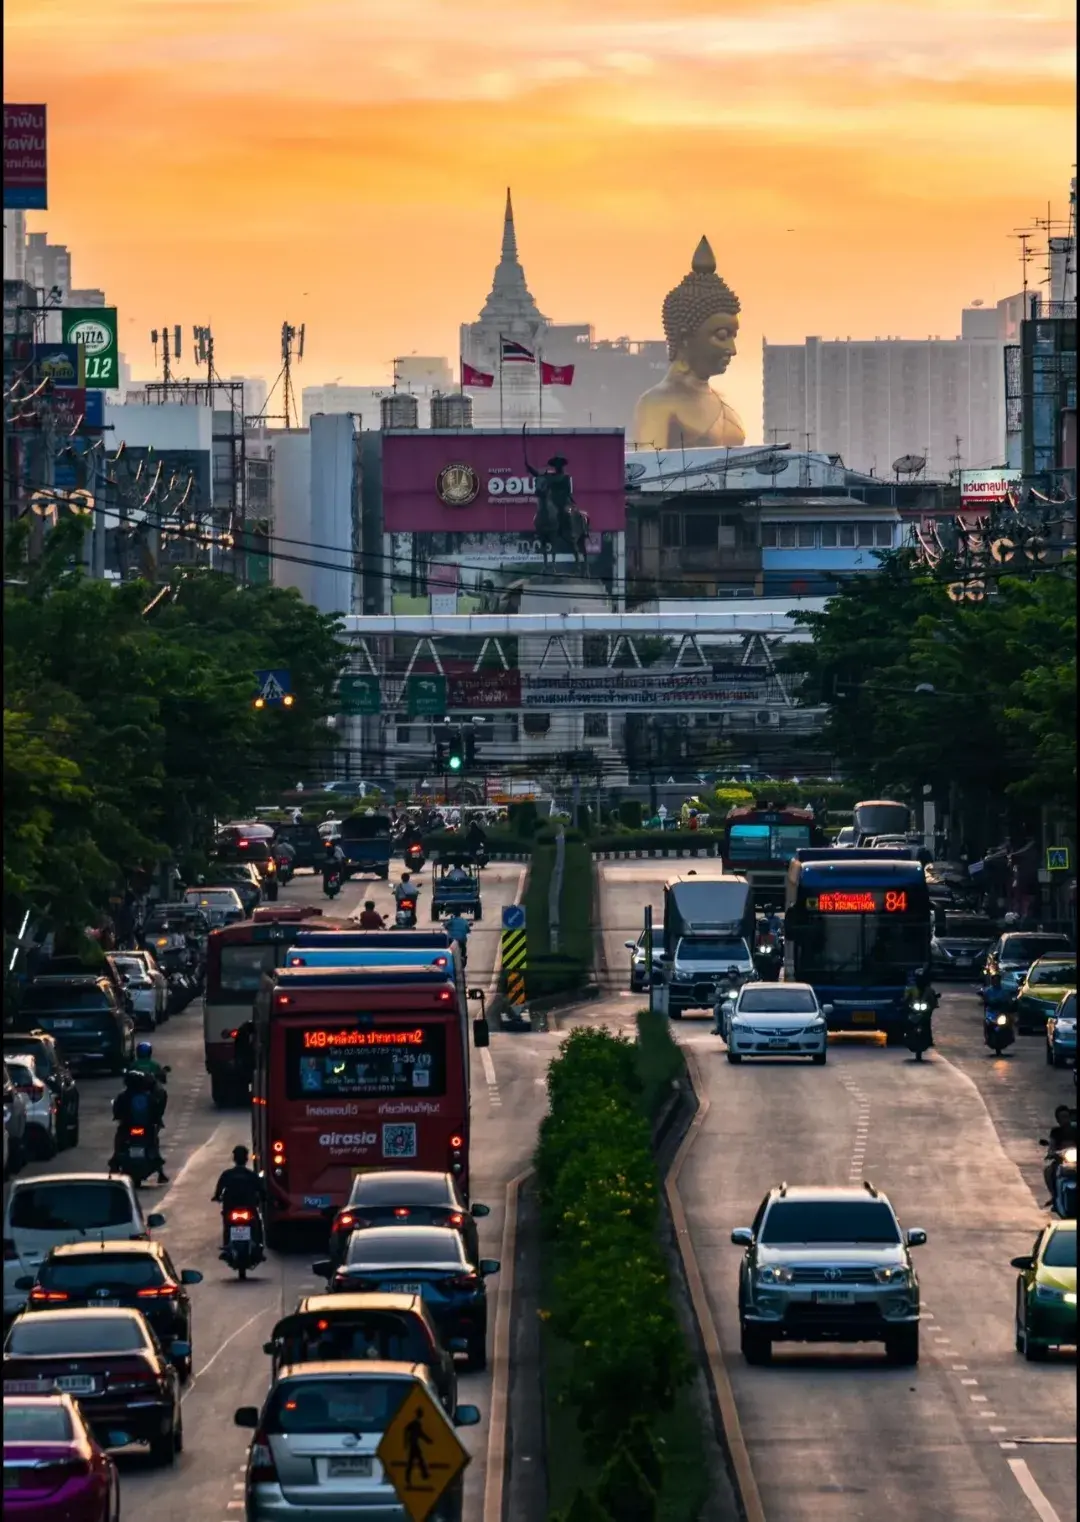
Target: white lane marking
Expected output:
[978,1397]
[958,1368]
[188,1163]
[967,1381]
[490,1077]
[1026,1481]
[213,1360]
[999,1429]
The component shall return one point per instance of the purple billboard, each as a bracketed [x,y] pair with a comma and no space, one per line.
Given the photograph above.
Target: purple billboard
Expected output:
[482,482]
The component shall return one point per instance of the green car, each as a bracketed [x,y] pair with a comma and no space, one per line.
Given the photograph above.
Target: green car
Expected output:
[1046,1292]
[1047,982]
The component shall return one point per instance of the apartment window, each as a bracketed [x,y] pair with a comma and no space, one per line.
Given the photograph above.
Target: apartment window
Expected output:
[884,536]
[701,531]
[404,734]
[768,536]
[847,535]
[866,534]
[828,536]
[536,723]
[596,726]
[670,526]
[787,536]
[807,536]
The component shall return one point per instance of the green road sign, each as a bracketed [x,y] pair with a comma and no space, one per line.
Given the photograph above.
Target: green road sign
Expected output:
[426,697]
[359,694]
[95,329]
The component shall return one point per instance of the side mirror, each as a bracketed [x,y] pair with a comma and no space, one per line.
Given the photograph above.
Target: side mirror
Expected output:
[826,1009]
[915,1237]
[489,1266]
[269,1348]
[118,1439]
[480,1211]
[322,1268]
[481,1034]
[742,1236]
[190,1276]
[467,1416]
[1022,1263]
[630,945]
[156,1218]
[246,1416]
[179,1349]
[476,993]
[1043,1141]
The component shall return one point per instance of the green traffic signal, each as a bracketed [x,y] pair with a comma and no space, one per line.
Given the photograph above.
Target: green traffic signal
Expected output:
[455,763]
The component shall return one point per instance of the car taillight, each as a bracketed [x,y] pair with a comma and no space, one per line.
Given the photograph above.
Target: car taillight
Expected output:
[347,1222]
[456,1219]
[35,1090]
[261,1467]
[132,1380]
[401,1212]
[158,1291]
[464,1281]
[39,1295]
[54,1474]
[240,1215]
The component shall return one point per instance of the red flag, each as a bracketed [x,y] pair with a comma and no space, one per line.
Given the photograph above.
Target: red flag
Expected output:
[556,375]
[471,377]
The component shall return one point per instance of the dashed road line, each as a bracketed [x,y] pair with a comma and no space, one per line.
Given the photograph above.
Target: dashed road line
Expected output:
[490,1077]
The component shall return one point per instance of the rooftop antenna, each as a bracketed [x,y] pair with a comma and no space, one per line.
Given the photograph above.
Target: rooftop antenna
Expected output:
[1024,235]
[292,348]
[166,357]
[204,350]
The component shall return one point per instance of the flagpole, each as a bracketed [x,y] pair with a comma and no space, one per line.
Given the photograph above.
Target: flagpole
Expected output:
[500,380]
[540,383]
[461,372]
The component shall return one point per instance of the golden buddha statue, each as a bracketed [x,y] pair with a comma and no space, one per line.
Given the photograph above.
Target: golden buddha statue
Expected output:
[701,319]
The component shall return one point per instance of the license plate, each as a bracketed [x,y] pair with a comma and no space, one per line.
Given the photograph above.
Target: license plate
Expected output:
[12,1478]
[136,1152]
[404,1289]
[63,1025]
[779,1041]
[77,1384]
[107,1304]
[27,1386]
[834,1297]
[357,1465]
[240,1233]
[864,1017]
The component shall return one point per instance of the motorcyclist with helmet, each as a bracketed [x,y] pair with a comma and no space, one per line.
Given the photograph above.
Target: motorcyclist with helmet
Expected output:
[141,1102]
[239,1188]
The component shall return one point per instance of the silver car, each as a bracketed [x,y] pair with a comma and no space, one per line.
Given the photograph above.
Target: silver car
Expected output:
[828,1265]
[15,1108]
[1061,1033]
[313,1455]
[639,965]
[775,1020]
[41,1104]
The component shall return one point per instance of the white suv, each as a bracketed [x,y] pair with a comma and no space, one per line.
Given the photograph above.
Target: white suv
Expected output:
[41,1104]
[50,1209]
[775,1020]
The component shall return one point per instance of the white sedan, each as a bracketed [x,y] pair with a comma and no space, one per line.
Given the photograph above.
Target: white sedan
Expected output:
[775,1020]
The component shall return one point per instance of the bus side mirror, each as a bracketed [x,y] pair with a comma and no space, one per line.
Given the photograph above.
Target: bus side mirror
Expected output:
[481,1034]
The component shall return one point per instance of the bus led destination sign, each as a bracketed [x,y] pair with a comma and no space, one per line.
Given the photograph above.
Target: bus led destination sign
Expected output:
[313,1040]
[863,901]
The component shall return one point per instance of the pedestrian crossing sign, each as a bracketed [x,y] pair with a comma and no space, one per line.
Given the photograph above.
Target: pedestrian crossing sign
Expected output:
[1057,858]
[272,686]
[421,1453]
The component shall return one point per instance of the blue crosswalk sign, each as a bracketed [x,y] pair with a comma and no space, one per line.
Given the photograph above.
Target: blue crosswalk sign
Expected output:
[272,686]
[513,917]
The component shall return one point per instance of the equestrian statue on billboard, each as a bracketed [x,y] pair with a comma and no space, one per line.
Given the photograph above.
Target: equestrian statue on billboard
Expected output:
[558,517]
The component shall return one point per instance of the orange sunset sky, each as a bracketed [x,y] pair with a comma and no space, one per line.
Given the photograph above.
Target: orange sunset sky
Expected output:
[858,167]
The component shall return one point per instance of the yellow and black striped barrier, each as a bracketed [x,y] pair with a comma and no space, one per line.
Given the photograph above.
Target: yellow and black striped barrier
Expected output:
[514,954]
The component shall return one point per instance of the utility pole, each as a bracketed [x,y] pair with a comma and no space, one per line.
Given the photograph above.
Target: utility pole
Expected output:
[956,458]
[204,351]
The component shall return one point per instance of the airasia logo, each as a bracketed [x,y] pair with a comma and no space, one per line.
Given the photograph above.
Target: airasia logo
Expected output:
[347,1139]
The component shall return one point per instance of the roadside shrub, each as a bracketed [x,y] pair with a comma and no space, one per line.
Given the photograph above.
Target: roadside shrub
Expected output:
[524,818]
[656,840]
[630,813]
[624,1489]
[583,1508]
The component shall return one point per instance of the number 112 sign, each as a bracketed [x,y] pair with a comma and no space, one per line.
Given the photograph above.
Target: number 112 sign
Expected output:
[95,329]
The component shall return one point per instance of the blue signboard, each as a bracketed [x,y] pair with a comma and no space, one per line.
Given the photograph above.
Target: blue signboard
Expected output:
[272,686]
[513,917]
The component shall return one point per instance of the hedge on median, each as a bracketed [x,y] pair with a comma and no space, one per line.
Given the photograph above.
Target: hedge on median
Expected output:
[611,1301]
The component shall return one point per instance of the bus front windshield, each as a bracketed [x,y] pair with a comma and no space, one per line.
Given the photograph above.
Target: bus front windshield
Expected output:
[849,948]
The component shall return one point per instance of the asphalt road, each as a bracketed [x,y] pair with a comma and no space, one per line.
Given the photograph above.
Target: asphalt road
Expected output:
[232,1320]
[833,1433]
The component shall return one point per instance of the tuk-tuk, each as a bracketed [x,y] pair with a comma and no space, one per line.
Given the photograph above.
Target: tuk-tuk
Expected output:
[365,843]
[455,887]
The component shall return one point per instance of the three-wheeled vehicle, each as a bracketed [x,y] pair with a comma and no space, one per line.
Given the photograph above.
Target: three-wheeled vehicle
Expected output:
[365,843]
[455,887]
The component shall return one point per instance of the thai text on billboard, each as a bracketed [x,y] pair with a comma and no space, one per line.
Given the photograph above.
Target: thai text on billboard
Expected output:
[987,486]
[482,482]
[602,687]
[25,165]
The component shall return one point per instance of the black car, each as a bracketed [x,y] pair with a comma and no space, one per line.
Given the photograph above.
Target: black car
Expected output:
[960,943]
[52,1068]
[85,1016]
[306,843]
[104,1275]
[429,1261]
[402,1197]
[395,1328]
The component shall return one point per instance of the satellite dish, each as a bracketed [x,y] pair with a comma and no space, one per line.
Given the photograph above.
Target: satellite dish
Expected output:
[909,464]
[772,465]
[635,470]
[978,302]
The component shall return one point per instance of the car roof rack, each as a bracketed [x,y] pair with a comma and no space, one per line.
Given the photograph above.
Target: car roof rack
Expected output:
[868,1186]
[783,1189]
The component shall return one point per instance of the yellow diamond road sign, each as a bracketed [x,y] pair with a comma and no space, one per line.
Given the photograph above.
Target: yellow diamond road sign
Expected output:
[421,1453]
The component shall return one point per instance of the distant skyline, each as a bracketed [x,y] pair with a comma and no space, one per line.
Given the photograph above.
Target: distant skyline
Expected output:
[859,168]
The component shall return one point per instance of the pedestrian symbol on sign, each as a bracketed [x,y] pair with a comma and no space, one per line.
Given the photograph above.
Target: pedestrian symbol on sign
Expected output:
[273,687]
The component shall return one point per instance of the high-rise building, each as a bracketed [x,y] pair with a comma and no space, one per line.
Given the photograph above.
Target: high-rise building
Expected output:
[14,244]
[874,401]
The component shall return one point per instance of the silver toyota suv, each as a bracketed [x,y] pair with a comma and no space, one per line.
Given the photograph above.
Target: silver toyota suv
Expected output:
[828,1265]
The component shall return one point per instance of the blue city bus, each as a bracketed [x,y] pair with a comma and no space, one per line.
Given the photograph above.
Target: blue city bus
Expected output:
[856,925]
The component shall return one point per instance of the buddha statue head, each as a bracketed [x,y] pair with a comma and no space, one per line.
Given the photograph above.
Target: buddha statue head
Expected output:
[701,317]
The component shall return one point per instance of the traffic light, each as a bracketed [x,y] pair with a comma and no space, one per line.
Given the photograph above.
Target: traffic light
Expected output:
[455,752]
[470,747]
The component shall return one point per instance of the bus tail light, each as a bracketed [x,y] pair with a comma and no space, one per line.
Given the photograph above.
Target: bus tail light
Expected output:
[446,997]
[457,1143]
[277,1161]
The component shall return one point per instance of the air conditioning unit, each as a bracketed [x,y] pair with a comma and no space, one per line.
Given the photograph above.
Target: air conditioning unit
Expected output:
[765,718]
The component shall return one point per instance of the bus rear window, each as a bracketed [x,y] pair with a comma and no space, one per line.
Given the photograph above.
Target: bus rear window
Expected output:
[357,1062]
[242,968]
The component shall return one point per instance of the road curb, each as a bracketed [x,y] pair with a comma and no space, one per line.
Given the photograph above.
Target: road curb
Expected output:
[729,1427]
[495,1477]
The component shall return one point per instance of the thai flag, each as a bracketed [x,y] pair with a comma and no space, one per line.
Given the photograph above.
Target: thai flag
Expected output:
[515,353]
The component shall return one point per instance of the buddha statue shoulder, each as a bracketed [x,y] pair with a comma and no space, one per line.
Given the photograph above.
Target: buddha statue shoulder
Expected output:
[701,322]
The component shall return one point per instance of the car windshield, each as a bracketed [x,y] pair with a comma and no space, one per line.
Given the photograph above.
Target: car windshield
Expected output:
[712,951]
[397,1339]
[355,1403]
[1067,1010]
[127,1270]
[373,1248]
[777,1001]
[41,1054]
[410,1189]
[96,1332]
[1054,975]
[798,1222]
[1024,948]
[975,930]
[69,1205]
[47,1422]
[657,939]
[62,997]
[216,896]
[1060,1250]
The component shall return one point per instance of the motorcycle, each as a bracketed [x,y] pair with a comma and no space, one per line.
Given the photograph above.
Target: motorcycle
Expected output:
[918,1035]
[332,883]
[1062,1180]
[414,856]
[284,868]
[769,958]
[998,1030]
[243,1249]
[405,918]
[137,1153]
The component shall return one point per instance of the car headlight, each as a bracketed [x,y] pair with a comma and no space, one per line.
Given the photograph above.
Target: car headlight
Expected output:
[894,1276]
[775,1275]
[1051,1296]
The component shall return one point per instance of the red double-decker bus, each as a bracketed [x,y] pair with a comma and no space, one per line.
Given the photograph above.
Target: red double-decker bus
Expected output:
[357,1069]
[236,958]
